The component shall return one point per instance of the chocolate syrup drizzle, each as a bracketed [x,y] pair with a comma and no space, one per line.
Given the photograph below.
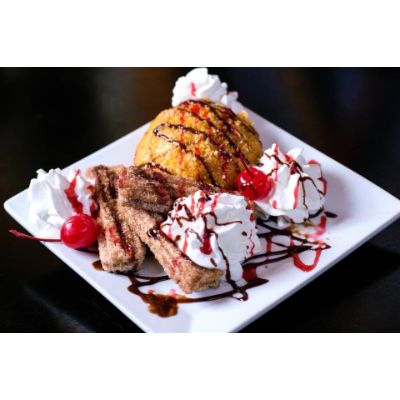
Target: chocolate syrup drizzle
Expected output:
[224,153]
[158,132]
[223,132]
[154,165]
[298,244]
[223,114]
[226,118]
[166,305]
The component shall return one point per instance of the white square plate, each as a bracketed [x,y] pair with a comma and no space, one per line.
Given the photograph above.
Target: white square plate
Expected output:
[363,210]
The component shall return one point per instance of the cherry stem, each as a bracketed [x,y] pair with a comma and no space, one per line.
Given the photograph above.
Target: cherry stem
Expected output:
[245,165]
[25,236]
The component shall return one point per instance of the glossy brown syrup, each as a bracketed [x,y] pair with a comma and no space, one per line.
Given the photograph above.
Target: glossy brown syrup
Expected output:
[223,134]
[167,305]
[159,132]
[154,165]
[97,265]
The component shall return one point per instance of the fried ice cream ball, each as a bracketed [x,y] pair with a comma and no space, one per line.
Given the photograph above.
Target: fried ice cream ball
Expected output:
[201,140]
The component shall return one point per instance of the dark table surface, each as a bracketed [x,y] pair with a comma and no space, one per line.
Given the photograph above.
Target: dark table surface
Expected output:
[53,117]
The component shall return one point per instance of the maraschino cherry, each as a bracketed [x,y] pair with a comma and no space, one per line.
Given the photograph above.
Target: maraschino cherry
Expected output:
[253,183]
[78,232]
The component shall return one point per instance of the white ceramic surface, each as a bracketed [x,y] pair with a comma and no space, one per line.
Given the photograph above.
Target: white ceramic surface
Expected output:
[363,210]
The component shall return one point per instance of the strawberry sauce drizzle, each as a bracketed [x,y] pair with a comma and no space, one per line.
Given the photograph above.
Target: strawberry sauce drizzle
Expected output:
[193,89]
[185,243]
[298,243]
[175,262]
[252,244]
[296,194]
[321,227]
[72,196]
[301,265]
[206,248]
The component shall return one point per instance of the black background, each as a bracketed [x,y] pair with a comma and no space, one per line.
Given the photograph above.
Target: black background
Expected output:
[53,117]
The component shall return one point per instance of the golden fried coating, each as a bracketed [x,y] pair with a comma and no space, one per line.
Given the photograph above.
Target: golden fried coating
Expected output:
[201,140]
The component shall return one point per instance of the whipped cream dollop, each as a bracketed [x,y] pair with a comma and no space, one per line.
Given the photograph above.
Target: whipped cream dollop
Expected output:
[199,84]
[299,188]
[54,196]
[214,231]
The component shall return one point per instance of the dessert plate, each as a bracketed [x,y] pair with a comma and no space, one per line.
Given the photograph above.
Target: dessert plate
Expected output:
[346,197]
